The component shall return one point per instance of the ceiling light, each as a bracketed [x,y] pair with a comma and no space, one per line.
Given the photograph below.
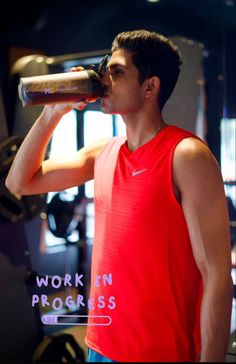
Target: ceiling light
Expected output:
[230,2]
[153,1]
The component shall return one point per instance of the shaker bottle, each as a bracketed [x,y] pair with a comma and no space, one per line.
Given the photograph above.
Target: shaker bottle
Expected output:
[62,87]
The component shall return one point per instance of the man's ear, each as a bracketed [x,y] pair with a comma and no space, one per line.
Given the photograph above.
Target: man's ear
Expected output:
[151,86]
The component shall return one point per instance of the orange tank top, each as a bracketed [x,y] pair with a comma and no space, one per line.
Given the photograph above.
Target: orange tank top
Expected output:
[144,277]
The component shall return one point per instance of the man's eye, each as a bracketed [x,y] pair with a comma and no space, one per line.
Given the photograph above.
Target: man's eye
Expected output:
[118,71]
[113,71]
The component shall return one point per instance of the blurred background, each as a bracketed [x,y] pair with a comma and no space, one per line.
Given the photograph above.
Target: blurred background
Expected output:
[52,235]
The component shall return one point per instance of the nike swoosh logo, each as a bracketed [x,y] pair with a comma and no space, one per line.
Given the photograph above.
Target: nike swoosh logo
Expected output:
[138,172]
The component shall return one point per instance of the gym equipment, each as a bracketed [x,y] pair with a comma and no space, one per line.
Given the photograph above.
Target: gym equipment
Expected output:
[15,208]
[61,348]
[60,211]
[65,213]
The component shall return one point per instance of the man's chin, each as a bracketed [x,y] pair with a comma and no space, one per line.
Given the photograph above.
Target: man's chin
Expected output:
[105,108]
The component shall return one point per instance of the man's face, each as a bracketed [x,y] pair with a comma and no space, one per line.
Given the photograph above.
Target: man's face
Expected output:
[123,92]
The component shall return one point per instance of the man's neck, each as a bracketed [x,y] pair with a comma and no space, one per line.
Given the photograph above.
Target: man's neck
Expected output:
[142,127]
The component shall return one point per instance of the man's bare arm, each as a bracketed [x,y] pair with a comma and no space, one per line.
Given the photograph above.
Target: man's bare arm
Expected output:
[31,174]
[198,178]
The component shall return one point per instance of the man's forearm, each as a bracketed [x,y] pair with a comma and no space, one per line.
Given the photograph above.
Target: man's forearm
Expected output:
[215,319]
[32,151]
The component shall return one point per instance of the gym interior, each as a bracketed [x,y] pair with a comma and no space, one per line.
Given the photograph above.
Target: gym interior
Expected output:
[46,240]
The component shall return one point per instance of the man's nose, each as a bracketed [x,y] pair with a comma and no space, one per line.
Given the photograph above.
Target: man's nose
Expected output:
[106,79]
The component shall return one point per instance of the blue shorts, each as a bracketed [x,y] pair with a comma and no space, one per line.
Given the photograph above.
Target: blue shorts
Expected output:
[94,357]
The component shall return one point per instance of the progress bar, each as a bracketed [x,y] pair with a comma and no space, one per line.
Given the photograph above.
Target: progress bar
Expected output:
[79,320]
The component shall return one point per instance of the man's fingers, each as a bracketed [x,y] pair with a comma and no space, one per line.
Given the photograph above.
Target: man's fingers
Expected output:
[91,100]
[80,105]
[76,69]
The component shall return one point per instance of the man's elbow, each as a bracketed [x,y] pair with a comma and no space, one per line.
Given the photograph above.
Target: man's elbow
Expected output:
[12,186]
[219,279]
[225,287]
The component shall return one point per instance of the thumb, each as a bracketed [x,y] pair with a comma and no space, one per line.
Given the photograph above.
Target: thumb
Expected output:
[80,105]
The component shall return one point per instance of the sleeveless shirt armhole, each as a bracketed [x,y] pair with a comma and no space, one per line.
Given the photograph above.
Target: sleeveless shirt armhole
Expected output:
[111,143]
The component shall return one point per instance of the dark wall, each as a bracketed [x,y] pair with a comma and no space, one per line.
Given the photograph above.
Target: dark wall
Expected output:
[61,27]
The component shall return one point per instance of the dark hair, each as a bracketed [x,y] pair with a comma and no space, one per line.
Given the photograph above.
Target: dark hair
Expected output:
[153,55]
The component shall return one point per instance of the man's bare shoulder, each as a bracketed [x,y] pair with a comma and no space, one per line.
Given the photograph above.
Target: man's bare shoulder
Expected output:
[194,164]
[194,150]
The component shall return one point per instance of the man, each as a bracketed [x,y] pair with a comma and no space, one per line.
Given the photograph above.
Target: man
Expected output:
[161,222]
